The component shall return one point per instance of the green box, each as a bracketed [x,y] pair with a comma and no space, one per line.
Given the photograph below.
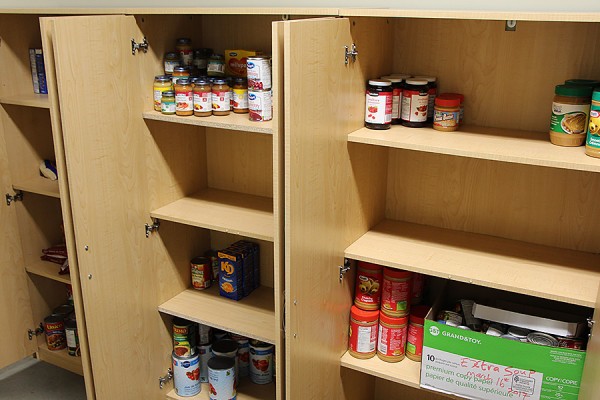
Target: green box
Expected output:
[474,365]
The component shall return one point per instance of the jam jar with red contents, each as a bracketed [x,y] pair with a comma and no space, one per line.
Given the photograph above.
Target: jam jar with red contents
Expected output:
[378,104]
[415,101]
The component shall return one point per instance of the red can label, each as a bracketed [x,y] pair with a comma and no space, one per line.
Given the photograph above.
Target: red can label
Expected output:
[368,285]
[414,340]
[378,107]
[414,106]
[362,339]
[395,298]
[391,341]
[201,275]
[55,335]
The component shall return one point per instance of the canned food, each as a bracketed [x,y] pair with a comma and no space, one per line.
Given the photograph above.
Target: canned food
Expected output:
[259,72]
[72,338]
[510,337]
[519,333]
[261,362]
[464,328]
[201,273]
[171,61]
[571,343]
[226,348]
[184,337]
[221,378]
[260,104]
[543,339]
[186,375]
[243,355]
[496,329]
[54,328]
[205,354]
[449,318]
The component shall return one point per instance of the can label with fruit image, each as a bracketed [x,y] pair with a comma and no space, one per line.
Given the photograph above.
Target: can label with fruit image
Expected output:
[414,106]
[186,375]
[260,104]
[259,72]
[221,378]
[378,107]
[261,362]
[205,353]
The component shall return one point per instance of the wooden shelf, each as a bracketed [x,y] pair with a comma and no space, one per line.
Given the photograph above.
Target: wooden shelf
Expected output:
[235,122]
[223,211]
[48,270]
[246,391]
[28,100]
[532,148]
[406,372]
[557,274]
[253,316]
[38,185]
[60,358]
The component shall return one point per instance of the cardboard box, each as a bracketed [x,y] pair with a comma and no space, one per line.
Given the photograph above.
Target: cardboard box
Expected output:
[473,365]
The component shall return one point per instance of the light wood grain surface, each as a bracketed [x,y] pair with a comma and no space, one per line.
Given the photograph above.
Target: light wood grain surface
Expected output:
[60,358]
[245,391]
[47,269]
[38,185]
[591,372]
[253,316]
[568,276]
[521,147]
[28,99]
[405,372]
[236,122]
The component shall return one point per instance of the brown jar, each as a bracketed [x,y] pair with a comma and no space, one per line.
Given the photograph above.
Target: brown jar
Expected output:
[221,98]
[240,96]
[202,98]
[184,99]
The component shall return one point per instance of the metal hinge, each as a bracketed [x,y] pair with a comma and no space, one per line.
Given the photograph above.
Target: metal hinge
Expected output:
[139,46]
[17,197]
[350,54]
[164,379]
[591,324]
[344,268]
[152,227]
[35,332]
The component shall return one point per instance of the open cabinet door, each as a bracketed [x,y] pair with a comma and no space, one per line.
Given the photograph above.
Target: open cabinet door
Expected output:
[325,209]
[591,371]
[104,140]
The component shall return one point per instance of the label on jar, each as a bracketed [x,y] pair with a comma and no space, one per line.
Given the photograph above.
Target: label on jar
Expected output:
[203,101]
[368,293]
[396,101]
[187,57]
[431,102]
[221,100]
[593,136]
[378,107]
[363,339]
[200,63]
[168,107]
[446,119]
[395,296]
[170,66]
[569,118]
[72,342]
[240,99]
[391,341]
[414,340]
[216,67]
[184,101]
[414,106]
[158,96]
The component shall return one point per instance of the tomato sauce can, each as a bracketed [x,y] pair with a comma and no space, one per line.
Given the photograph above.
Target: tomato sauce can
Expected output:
[260,104]
[259,72]
[362,342]
[221,378]
[184,337]
[391,339]
[396,293]
[54,328]
[414,338]
[261,362]
[368,286]
[201,273]
[186,375]
[243,355]
[205,354]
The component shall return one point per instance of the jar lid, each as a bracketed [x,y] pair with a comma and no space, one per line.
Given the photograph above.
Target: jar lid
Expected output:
[379,82]
[183,81]
[573,90]
[414,81]
[418,314]
[393,320]
[460,96]
[201,81]
[219,82]
[392,79]
[180,69]
[426,78]
[367,265]
[239,79]
[184,40]
[168,93]
[582,82]
[447,100]
[396,273]
[401,76]
[162,78]
[363,315]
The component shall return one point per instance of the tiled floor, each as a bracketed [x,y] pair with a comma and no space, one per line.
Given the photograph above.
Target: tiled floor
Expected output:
[31,379]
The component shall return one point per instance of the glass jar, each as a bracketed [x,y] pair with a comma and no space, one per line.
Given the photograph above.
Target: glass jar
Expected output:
[446,116]
[202,98]
[216,66]
[240,96]
[180,72]
[592,144]
[221,98]
[184,98]
[432,91]
[186,54]
[171,61]
[396,97]
[168,102]
[378,104]
[201,60]
[570,114]
[415,101]
[162,83]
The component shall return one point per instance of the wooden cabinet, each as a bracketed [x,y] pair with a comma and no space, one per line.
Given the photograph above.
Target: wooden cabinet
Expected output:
[35,213]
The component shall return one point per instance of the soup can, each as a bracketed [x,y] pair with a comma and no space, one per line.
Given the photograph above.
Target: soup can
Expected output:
[261,362]
[543,339]
[201,273]
[243,355]
[186,375]
[259,72]
[54,328]
[184,337]
[205,354]
[221,378]
[260,104]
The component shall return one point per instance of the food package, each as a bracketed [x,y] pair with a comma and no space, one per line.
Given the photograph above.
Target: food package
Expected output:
[235,61]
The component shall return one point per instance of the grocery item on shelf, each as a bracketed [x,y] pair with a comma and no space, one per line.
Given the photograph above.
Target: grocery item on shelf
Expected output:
[185,337]
[184,100]
[261,362]
[226,348]
[200,62]
[180,72]
[167,103]
[239,271]
[58,255]
[170,61]
[449,318]
[221,98]
[38,71]
[367,292]
[391,338]
[186,53]
[204,353]
[214,261]
[570,115]
[260,105]
[186,374]
[415,103]
[259,73]
[236,62]
[202,97]
[432,91]
[461,116]
[216,66]
[362,342]
[396,292]
[201,271]
[54,328]
[48,170]
[72,336]
[414,338]
[162,83]
[221,378]
[592,144]
[243,355]
[418,284]
[446,116]
[396,97]
[378,104]
[240,96]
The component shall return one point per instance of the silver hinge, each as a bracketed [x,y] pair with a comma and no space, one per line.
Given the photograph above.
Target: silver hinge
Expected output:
[350,54]
[35,332]
[18,196]
[164,379]
[344,268]
[591,324]
[152,227]
[139,46]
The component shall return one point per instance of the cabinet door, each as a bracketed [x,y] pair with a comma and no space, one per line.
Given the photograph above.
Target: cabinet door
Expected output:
[591,372]
[105,137]
[325,212]
[15,307]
